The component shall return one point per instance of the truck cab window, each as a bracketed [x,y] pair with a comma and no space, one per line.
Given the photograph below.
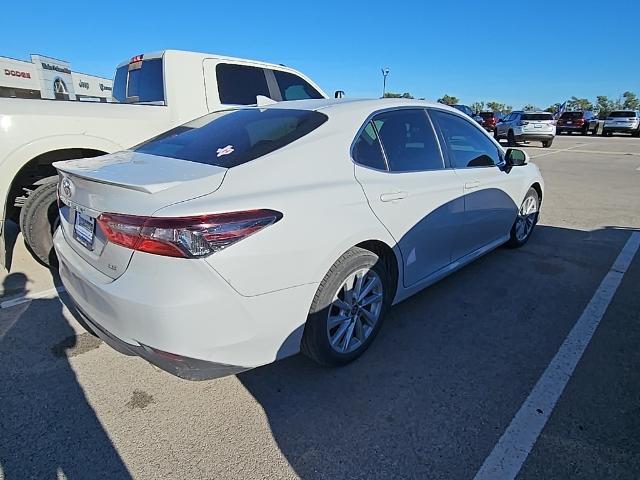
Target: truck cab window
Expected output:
[292,87]
[240,84]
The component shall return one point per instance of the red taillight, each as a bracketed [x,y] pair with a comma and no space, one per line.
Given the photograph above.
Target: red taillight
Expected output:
[184,236]
[580,121]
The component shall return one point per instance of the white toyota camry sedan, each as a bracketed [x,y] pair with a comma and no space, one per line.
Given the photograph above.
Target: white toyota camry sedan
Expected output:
[251,234]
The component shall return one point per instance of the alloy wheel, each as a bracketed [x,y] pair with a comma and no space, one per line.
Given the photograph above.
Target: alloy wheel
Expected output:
[355,310]
[526,217]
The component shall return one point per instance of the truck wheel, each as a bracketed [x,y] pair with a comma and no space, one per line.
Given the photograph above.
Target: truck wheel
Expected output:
[39,219]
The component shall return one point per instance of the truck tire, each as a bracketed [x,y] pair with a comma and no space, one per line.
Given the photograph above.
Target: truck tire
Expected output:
[39,219]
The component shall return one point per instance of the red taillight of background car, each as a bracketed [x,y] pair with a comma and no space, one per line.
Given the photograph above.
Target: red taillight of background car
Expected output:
[186,237]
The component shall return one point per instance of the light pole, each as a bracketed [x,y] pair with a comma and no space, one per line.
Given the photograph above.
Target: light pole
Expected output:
[385,72]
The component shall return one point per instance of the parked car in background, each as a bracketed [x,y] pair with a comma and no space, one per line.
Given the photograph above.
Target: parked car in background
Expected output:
[155,91]
[622,121]
[250,234]
[526,126]
[468,111]
[490,120]
[582,122]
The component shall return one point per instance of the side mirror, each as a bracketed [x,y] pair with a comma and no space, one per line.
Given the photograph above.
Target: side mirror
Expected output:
[516,157]
[339,94]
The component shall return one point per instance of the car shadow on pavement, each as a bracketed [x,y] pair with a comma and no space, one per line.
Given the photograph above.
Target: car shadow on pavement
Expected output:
[48,429]
[447,372]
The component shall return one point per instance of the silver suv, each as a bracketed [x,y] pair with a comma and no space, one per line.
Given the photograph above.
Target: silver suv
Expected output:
[524,126]
[625,121]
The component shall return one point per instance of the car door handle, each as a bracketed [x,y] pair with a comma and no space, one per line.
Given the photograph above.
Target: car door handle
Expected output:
[391,196]
[471,185]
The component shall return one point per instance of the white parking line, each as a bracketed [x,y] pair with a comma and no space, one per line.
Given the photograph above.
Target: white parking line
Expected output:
[51,293]
[513,448]
[558,151]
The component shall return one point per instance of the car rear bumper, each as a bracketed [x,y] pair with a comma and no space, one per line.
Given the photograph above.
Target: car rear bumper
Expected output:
[571,128]
[182,316]
[180,366]
[535,136]
[620,128]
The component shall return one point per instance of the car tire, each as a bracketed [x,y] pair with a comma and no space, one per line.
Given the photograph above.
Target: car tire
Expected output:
[511,139]
[526,220]
[321,340]
[547,143]
[39,219]
[496,136]
[585,130]
[636,133]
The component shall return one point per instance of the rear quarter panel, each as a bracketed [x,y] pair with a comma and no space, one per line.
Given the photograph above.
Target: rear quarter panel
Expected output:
[325,213]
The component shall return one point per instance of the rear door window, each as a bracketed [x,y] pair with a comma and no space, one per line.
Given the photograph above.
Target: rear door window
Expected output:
[292,87]
[233,137]
[408,140]
[367,150]
[240,84]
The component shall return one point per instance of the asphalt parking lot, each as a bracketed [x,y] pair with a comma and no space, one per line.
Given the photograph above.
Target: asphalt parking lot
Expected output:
[432,397]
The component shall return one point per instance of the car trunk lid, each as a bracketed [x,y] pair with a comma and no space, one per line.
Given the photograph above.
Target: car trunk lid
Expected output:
[130,183]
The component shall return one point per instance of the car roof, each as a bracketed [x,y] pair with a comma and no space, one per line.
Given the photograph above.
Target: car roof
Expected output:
[371,104]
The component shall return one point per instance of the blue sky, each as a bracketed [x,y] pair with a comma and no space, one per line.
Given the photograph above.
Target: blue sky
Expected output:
[516,52]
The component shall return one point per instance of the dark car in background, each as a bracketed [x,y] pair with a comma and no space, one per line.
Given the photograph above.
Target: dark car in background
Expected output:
[468,111]
[490,119]
[581,121]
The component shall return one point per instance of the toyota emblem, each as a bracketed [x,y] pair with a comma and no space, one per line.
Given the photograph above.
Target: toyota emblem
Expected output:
[67,187]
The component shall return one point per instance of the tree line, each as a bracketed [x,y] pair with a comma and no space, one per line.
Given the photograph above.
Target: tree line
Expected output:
[603,104]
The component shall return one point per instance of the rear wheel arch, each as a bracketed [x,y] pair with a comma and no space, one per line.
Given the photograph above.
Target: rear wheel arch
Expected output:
[388,257]
[35,170]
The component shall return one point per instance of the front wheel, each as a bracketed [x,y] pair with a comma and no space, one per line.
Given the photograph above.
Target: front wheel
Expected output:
[511,139]
[348,309]
[547,143]
[39,219]
[526,220]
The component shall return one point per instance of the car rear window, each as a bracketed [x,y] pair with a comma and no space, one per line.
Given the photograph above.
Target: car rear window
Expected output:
[571,115]
[233,137]
[537,116]
[486,115]
[624,114]
[141,81]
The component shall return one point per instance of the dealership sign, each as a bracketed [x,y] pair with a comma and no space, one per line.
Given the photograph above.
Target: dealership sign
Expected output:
[16,73]
[57,68]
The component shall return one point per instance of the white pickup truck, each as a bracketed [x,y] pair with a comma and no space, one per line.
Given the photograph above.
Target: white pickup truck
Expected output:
[168,88]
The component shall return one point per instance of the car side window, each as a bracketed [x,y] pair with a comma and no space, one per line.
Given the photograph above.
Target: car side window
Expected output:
[367,150]
[408,140]
[240,84]
[466,145]
[292,87]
